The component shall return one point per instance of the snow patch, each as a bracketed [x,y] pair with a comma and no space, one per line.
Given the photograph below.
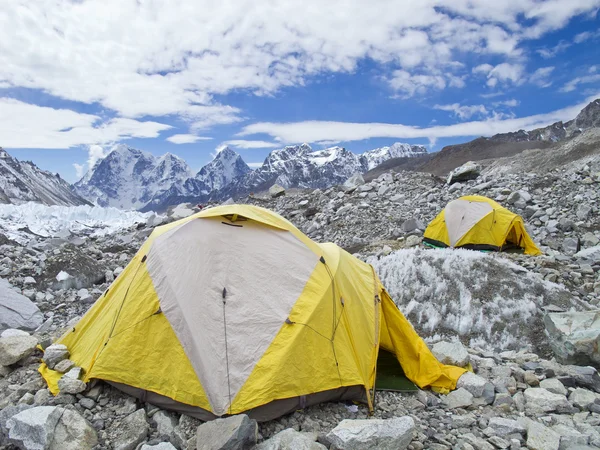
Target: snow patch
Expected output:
[487,300]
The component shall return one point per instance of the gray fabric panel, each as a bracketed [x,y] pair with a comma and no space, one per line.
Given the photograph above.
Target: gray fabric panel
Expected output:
[264,271]
[461,216]
[263,413]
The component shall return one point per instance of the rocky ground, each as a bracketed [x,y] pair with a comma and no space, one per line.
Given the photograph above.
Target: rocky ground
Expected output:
[496,305]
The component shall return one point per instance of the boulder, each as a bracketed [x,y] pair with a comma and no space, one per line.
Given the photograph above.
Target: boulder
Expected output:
[276,191]
[460,398]
[232,433]
[472,383]
[453,353]
[575,337]
[290,439]
[505,427]
[82,269]
[412,224]
[554,385]
[519,198]
[69,385]
[7,413]
[15,348]
[583,211]
[540,437]
[591,254]
[570,438]
[34,428]
[540,400]
[17,311]
[382,434]
[353,182]
[131,431]
[582,398]
[73,432]
[165,423]
[468,171]
[55,353]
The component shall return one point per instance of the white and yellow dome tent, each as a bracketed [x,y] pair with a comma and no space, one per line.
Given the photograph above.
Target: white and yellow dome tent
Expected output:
[479,223]
[234,310]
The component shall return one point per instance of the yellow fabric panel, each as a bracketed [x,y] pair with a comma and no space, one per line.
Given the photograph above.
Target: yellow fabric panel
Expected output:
[143,351]
[300,360]
[486,231]
[418,363]
[436,230]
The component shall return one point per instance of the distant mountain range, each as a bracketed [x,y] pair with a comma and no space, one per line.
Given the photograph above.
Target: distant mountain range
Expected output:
[128,178]
[132,179]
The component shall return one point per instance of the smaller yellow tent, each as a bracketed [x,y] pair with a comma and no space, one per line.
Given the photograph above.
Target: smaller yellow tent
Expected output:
[479,223]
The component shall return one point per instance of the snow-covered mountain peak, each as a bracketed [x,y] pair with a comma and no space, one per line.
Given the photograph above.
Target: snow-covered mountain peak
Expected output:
[224,168]
[373,158]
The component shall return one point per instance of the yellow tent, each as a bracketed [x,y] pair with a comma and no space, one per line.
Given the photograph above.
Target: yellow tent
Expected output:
[479,223]
[235,310]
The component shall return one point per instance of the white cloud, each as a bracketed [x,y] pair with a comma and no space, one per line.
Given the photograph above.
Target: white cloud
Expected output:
[314,131]
[405,82]
[541,77]
[240,143]
[254,165]
[551,52]
[586,35]
[503,72]
[575,82]
[143,59]
[95,153]
[186,138]
[23,125]
[79,170]
[508,103]
[464,111]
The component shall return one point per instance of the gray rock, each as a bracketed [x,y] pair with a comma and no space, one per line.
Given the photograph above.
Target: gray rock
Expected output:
[161,446]
[413,224]
[453,353]
[574,337]
[15,348]
[472,383]
[504,427]
[540,437]
[73,432]
[276,191]
[540,400]
[54,354]
[468,171]
[570,246]
[34,428]
[290,439]
[460,398]
[232,433]
[165,423]
[69,385]
[583,212]
[519,198]
[7,413]
[589,239]
[131,431]
[383,434]
[582,398]
[569,437]
[17,311]
[591,254]
[64,366]
[353,182]
[554,385]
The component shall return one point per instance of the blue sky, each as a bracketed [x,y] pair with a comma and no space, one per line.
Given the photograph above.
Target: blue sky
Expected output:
[186,79]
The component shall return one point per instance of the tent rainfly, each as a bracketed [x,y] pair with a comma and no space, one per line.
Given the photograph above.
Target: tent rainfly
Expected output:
[479,223]
[234,310]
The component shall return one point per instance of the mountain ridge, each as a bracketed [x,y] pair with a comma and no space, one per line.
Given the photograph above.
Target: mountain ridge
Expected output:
[23,181]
